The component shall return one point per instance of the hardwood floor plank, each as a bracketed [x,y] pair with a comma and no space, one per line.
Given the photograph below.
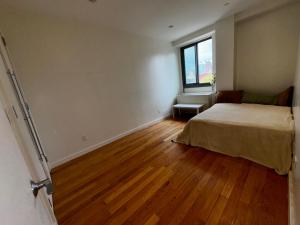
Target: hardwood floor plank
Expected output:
[213,183]
[140,200]
[243,216]
[152,220]
[127,185]
[144,178]
[217,212]
[177,185]
[181,208]
[104,184]
[114,206]
[234,207]
[253,184]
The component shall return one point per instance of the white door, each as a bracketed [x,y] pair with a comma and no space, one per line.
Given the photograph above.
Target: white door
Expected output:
[21,124]
[18,206]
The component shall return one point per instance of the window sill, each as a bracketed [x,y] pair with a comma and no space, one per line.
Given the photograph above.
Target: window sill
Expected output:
[204,93]
[200,90]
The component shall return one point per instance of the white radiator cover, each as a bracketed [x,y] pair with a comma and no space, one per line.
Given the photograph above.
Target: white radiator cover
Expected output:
[195,98]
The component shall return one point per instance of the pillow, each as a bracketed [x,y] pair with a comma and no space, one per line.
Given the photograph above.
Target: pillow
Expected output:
[285,98]
[229,97]
[259,99]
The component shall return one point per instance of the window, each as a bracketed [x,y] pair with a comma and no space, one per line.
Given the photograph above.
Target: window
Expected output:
[197,63]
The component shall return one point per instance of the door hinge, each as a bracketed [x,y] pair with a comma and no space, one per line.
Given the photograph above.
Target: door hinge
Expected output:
[7,116]
[9,73]
[50,203]
[15,112]
[3,41]
[27,106]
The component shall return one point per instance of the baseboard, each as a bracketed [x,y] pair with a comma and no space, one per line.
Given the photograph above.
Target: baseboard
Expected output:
[291,196]
[103,143]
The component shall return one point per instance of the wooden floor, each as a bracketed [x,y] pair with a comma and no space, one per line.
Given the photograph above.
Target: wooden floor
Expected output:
[145,179]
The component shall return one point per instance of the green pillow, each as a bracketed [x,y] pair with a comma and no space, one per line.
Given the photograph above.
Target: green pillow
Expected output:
[259,99]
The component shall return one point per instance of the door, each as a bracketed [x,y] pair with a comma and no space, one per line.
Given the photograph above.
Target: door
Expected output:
[18,206]
[22,125]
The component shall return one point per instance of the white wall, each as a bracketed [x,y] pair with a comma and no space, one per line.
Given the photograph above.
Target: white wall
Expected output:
[265,50]
[86,80]
[225,54]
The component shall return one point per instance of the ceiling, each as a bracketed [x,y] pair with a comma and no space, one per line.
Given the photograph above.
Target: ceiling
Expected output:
[144,17]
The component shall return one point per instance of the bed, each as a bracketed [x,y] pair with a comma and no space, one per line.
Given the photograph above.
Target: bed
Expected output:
[260,133]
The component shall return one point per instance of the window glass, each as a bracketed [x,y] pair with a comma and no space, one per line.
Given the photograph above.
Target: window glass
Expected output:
[205,61]
[190,65]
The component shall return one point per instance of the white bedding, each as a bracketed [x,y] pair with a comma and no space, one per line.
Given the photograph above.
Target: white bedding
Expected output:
[261,133]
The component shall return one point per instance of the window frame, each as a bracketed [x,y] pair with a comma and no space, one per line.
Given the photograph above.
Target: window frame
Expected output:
[195,44]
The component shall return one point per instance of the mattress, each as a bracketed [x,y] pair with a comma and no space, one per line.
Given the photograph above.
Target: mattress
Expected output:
[261,133]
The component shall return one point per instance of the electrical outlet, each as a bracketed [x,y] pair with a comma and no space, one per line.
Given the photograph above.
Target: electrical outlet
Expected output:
[84,138]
